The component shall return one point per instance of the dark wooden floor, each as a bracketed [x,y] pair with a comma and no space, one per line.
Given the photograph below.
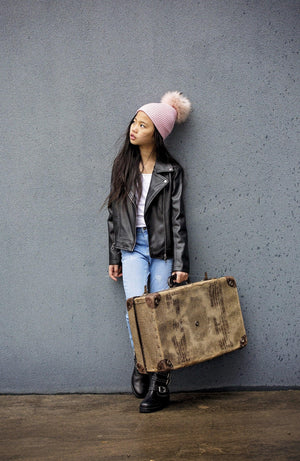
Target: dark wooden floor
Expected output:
[197,426]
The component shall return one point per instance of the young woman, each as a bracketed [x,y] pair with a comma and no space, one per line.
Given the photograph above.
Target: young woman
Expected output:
[146,223]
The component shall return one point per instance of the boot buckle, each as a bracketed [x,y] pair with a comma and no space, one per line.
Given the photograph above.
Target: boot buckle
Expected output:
[162,389]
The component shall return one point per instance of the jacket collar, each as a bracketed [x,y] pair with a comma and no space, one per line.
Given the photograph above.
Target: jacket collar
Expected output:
[160,167]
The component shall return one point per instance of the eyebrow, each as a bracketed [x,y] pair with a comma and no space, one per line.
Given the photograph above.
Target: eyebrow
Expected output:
[140,121]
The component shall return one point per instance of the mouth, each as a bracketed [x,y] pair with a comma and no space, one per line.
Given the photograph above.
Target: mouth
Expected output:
[132,137]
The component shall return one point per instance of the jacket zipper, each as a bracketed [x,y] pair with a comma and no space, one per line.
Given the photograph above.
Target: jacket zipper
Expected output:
[164,218]
[131,195]
[131,198]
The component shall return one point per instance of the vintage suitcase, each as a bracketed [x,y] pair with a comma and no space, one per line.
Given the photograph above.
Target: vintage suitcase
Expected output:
[185,325]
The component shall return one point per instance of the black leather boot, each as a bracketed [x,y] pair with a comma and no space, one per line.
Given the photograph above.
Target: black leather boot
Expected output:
[139,382]
[158,395]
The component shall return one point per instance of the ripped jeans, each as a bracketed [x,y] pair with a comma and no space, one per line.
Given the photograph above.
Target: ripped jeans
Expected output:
[138,266]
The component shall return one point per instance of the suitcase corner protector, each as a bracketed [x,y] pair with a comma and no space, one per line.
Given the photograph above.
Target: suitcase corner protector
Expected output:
[231,282]
[129,303]
[164,365]
[153,300]
[243,341]
[141,368]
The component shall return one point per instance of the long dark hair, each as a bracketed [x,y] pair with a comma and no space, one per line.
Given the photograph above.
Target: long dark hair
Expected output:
[126,174]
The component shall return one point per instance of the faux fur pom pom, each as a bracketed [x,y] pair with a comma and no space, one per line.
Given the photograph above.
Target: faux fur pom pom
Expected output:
[180,103]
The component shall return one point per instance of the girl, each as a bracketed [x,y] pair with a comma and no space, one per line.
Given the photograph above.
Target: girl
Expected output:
[146,222]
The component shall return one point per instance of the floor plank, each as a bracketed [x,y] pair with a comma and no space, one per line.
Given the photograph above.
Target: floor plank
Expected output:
[196,426]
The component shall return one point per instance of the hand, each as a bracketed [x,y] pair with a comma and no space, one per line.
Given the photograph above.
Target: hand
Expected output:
[180,276]
[115,271]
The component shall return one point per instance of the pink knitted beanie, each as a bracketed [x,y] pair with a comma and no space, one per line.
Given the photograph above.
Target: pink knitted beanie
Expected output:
[173,107]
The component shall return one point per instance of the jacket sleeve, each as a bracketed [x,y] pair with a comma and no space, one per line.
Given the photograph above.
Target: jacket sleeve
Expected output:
[114,253]
[180,239]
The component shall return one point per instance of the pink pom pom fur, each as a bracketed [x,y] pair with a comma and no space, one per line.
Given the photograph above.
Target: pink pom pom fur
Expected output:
[180,103]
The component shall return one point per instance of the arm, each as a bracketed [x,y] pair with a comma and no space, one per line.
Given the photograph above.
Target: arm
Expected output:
[115,268]
[180,240]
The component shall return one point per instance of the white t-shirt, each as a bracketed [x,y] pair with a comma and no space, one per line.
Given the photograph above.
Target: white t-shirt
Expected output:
[140,221]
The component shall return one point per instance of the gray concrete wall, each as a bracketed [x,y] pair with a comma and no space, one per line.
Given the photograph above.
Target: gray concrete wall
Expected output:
[73,73]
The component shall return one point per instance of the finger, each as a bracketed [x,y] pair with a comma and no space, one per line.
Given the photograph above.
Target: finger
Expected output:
[179,278]
[112,272]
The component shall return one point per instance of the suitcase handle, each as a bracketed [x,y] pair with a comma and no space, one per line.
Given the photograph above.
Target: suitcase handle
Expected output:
[173,284]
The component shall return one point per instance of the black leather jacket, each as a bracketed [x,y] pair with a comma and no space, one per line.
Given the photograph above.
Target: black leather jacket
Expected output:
[164,218]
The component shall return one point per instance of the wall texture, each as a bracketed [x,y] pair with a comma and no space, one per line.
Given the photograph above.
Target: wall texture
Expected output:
[73,73]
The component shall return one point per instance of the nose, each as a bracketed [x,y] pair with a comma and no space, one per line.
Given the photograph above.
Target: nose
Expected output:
[134,127]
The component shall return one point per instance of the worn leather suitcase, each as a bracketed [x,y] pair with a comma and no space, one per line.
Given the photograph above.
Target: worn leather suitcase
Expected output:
[186,325]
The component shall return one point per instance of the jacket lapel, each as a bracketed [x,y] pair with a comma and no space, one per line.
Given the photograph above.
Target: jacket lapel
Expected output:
[159,180]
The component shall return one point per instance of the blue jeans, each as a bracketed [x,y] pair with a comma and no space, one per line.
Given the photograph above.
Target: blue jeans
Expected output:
[138,267]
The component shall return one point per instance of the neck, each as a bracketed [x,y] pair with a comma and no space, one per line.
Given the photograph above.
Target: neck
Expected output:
[148,159]
[147,153]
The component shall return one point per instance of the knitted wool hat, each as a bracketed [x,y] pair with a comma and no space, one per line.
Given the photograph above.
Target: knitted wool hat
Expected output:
[173,107]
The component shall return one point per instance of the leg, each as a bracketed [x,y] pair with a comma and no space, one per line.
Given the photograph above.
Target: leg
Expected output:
[135,269]
[135,277]
[160,271]
[158,395]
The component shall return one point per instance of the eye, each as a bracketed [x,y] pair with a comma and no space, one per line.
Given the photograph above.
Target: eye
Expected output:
[142,125]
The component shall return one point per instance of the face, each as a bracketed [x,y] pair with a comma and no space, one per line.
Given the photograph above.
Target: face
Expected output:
[142,130]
